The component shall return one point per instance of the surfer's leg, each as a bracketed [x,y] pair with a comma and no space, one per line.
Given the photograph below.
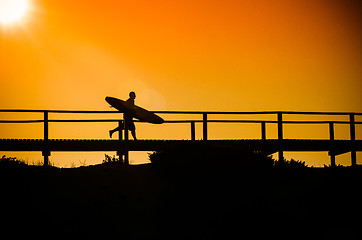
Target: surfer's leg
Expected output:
[112,131]
[132,128]
[134,134]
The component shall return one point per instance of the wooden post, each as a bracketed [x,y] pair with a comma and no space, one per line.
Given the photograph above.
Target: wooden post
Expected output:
[263,131]
[120,138]
[204,124]
[126,154]
[353,138]
[193,131]
[46,152]
[120,127]
[331,137]
[280,136]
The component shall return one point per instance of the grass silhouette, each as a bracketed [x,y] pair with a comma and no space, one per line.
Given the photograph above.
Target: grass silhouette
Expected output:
[11,162]
[206,157]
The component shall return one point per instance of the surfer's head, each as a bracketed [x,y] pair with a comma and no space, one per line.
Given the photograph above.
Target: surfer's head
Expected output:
[132,95]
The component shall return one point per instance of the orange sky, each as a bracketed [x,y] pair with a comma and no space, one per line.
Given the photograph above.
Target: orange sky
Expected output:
[229,55]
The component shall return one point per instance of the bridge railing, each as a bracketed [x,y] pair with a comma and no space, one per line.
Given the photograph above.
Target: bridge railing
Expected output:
[204,119]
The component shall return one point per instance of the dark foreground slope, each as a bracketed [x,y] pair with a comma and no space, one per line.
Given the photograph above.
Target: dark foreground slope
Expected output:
[179,201]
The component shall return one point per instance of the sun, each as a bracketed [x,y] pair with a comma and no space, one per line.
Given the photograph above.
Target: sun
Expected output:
[12,11]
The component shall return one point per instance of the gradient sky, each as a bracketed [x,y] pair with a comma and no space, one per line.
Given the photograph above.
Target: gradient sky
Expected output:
[230,55]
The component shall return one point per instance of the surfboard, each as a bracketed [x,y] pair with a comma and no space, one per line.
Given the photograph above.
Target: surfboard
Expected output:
[137,112]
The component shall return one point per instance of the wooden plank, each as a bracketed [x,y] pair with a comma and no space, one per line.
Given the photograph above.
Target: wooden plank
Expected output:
[145,145]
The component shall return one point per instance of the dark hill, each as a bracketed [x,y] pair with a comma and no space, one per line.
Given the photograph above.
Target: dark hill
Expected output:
[181,200]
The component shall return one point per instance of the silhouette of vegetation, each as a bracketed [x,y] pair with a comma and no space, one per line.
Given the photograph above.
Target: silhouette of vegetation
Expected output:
[108,159]
[12,162]
[290,164]
[196,157]
[337,166]
[83,163]
[204,157]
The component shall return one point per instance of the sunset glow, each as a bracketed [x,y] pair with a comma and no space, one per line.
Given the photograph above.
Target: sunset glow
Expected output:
[12,10]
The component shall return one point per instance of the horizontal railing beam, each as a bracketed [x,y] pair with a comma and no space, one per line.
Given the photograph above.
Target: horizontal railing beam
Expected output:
[180,121]
[56,111]
[189,112]
[21,121]
[319,113]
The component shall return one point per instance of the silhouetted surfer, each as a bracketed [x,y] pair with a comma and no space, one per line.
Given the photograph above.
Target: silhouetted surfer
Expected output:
[128,118]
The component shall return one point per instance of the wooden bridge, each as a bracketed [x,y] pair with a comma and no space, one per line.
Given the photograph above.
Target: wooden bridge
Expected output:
[123,145]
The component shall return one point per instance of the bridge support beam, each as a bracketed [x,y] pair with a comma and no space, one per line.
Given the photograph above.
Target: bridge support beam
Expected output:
[331,138]
[280,136]
[333,160]
[353,139]
[46,152]
[46,155]
[204,124]
[263,131]
[193,138]
[126,138]
[123,153]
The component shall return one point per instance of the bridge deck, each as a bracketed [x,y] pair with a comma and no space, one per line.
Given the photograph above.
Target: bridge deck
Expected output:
[267,146]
